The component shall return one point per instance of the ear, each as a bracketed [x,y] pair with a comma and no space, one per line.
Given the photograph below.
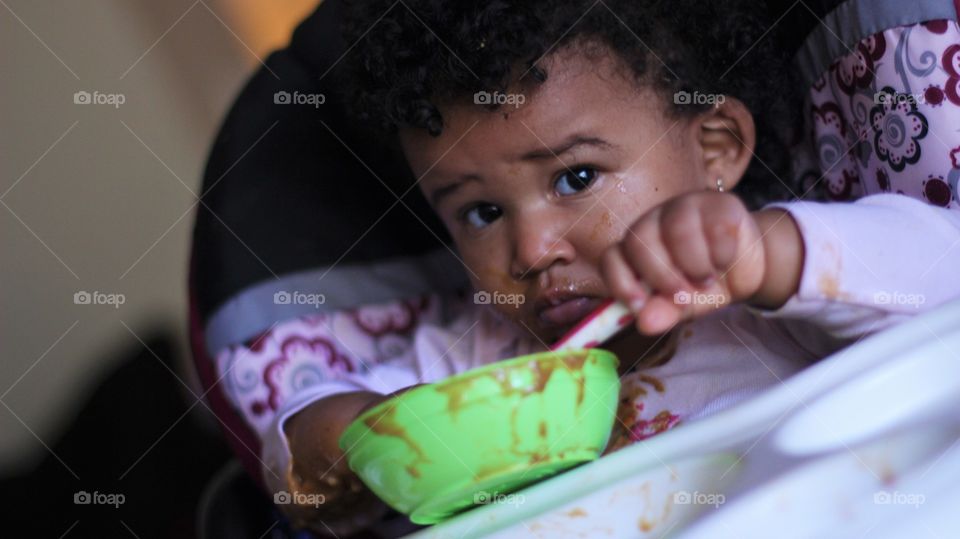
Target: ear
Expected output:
[727,137]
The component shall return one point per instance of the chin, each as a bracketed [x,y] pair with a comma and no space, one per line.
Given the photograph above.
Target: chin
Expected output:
[528,324]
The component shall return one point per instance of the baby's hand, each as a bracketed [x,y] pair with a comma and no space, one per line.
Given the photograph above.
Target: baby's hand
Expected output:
[700,251]
[325,495]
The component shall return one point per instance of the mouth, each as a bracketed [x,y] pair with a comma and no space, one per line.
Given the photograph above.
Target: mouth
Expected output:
[560,312]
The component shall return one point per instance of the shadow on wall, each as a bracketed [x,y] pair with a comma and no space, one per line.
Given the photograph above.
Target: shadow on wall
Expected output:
[92,197]
[133,461]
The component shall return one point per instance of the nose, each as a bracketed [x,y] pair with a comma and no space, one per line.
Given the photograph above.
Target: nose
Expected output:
[538,242]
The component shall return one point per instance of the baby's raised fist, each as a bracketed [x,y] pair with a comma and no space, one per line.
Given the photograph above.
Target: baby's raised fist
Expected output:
[686,257]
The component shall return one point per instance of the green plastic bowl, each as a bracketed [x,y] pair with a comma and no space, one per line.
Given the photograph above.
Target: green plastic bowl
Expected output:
[475,437]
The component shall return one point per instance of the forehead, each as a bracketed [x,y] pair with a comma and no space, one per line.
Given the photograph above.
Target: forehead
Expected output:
[585,92]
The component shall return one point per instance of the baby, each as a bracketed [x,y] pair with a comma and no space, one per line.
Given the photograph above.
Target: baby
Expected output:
[577,151]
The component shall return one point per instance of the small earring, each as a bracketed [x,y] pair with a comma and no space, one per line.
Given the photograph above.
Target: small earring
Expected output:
[719,185]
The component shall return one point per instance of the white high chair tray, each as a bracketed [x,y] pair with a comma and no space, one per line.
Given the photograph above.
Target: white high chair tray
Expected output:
[861,444]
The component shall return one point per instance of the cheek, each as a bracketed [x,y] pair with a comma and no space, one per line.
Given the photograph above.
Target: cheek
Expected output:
[491,273]
[647,185]
[605,229]
[623,201]
[489,266]
[665,170]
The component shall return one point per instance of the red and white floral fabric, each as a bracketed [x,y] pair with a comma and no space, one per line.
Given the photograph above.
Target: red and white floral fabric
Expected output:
[885,116]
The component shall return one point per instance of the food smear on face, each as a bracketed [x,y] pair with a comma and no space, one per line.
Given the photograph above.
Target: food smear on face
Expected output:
[603,225]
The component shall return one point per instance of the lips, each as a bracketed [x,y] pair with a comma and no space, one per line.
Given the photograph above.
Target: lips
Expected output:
[565,312]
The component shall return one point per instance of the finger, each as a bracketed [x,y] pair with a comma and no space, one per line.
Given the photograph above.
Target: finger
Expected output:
[648,257]
[658,316]
[623,283]
[721,228]
[737,247]
[684,238]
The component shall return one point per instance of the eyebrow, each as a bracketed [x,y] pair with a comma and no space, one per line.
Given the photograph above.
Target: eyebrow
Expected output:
[572,142]
[565,146]
[448,190]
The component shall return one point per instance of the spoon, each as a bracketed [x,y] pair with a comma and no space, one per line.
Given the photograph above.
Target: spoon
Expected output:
[604,322]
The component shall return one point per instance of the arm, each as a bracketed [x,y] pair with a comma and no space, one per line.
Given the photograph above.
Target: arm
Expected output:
[783,258]
[326,496]
[871,263]
[849,268]
[301,453]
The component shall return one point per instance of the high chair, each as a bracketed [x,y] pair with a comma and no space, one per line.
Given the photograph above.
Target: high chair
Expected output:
[293,194]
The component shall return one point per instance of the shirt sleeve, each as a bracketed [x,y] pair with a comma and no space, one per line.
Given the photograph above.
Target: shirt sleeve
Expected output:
[872,263]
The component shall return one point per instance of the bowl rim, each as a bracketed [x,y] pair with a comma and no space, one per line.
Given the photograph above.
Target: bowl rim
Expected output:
[360,421]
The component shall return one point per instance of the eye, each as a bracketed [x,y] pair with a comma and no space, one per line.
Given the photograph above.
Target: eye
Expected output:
[574,180]
[481,215]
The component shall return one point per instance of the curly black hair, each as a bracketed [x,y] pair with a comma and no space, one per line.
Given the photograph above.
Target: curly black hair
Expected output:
[409,55]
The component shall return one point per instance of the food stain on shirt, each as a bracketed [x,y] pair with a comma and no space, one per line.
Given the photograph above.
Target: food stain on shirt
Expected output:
[828,282]
[657,355]
[629,426]
[829,286]
[653,381]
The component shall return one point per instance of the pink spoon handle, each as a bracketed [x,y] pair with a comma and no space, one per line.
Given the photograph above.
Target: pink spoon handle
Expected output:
[604,322]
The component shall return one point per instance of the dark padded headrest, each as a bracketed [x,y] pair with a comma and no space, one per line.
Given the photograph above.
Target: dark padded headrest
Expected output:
[296,191]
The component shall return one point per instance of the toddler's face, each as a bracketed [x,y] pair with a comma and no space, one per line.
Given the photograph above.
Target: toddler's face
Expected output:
[532,195]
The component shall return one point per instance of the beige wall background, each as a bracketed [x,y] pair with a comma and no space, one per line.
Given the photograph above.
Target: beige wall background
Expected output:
[98,197]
